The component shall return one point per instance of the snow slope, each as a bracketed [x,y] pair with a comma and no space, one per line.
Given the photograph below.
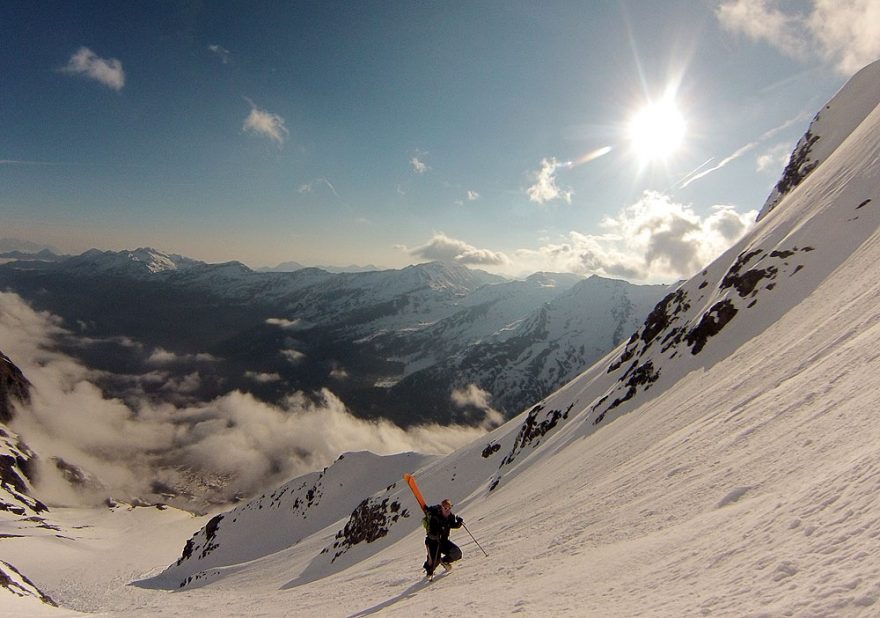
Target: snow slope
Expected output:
[721,462]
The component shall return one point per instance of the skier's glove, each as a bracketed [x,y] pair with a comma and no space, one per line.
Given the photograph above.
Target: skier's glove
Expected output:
[459,521]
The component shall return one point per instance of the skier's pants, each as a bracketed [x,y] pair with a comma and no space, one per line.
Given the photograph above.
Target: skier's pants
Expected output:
[449,551]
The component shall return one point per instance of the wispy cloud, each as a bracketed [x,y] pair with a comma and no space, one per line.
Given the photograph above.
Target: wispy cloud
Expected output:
[293,356]
[545,188]
[703,171]
[262,123]
[339,373]
[262,377]
[310,186]
[220,52]
[20,162]
[445,249]
[161,356]
[472,396]
[107,71]
[774,159]
[284,323]
[844,33]
[653,240]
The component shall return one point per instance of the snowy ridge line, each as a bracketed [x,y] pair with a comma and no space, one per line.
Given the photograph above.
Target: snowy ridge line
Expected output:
[836,122]
[300,508]
[14,582]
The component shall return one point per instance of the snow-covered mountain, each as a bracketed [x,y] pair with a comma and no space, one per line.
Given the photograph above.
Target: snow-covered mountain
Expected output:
[24,246]
[17,463]
[721,461]
[137,263]
[39,256]
[287,267]
[530,355]
[310,326]
[834,123]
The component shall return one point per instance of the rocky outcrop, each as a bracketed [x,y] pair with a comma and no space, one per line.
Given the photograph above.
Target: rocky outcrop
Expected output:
[13,386]
[14,582]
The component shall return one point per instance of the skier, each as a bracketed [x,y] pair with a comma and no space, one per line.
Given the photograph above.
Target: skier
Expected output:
[440,549]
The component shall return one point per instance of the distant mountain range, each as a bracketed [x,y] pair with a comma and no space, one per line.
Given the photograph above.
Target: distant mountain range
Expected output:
[289,267]
[24,246]
[394,343]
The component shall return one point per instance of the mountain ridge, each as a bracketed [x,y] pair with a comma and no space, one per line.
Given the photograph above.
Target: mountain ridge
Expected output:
[359,334]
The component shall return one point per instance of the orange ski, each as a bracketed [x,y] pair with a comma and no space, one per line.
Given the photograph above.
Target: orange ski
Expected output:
[411,481]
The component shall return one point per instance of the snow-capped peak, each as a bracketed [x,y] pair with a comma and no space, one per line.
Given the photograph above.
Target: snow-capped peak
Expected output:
[837,120]
[142,261]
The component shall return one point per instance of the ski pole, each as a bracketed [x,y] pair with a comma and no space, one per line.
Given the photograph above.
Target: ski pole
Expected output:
[475,540]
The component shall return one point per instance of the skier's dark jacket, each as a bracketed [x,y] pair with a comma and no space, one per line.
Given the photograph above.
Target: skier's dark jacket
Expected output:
[438,525]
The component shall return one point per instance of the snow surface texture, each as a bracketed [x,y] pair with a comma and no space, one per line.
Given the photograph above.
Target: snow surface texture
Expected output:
[721,462]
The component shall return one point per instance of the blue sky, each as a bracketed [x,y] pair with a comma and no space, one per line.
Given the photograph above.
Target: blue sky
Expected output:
[390,133]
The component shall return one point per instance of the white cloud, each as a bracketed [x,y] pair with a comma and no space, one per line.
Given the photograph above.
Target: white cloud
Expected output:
[546,188]
[292,356]
[265,124]
[472,396]
[761,21]
[844,33]
[234,444]
[774,159]
[848,32]
[654,240]
[445,249]
[187,384]
[339,373]
[107,71]
[262,377]
[221,52]
[161,356]
[284,323]
[418,165]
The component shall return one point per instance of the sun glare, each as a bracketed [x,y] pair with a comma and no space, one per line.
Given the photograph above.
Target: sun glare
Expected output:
[657,131]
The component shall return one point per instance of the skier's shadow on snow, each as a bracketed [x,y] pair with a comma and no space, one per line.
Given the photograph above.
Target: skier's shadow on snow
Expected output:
[409,592]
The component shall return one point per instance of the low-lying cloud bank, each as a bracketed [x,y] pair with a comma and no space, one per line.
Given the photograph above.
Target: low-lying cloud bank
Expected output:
[213,451]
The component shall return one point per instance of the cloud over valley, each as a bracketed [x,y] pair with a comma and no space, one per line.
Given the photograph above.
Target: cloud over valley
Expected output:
[204,451]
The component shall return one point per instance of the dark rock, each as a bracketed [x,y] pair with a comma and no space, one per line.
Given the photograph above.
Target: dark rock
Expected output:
[13,385]
[712,322]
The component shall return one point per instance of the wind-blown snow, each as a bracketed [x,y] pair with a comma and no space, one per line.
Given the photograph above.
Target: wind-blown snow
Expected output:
[721,462]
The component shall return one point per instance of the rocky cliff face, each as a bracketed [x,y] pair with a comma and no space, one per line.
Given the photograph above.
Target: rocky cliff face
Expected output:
[16,459]
[13,385]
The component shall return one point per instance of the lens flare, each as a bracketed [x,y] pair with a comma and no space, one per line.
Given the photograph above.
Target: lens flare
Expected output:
[590,156]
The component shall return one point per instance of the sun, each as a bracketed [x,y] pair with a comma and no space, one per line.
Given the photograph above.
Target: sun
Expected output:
[657,131]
